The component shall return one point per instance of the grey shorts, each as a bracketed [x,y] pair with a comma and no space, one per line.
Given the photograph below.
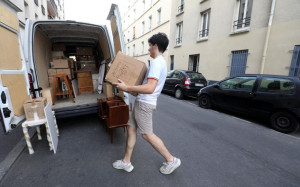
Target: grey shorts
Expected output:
[141,117]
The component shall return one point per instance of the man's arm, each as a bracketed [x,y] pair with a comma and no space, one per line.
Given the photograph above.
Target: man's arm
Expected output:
[143,89]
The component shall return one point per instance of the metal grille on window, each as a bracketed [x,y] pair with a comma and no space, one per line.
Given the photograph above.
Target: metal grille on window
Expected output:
[238,62]
[295,64]
[244,14]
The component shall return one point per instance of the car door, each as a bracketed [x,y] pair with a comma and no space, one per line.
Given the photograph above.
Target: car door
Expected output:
[236,93]
[273,93]
[167,86]
[174,80]
[14,84]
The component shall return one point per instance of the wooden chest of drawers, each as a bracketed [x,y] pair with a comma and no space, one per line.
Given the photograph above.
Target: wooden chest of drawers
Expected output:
[85,82]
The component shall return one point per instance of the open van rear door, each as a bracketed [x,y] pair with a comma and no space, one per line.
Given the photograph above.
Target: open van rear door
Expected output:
[14,84]
[119,45]
[116,29]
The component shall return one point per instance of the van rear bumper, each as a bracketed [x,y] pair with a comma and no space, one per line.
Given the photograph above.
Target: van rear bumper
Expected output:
[76,110]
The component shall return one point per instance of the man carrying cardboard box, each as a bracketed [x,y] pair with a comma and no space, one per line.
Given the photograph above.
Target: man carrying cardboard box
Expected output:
[144,106]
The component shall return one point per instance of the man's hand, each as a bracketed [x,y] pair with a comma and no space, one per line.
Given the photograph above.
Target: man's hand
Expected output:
[121,85]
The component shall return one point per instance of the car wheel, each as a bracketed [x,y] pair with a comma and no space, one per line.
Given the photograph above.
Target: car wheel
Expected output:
[178,93]
[284,122]
[204,101]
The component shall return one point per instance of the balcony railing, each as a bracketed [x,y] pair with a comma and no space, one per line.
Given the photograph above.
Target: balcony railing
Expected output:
[203,33]
[178,41]
[242,23]
[180,8]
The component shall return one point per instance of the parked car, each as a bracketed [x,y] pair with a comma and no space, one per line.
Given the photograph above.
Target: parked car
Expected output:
[267,96]
[184,83]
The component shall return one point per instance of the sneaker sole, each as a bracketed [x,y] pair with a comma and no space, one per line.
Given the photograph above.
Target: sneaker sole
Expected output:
[173,168]
[128,170]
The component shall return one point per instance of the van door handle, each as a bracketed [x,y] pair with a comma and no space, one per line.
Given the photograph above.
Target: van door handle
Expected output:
[253,94]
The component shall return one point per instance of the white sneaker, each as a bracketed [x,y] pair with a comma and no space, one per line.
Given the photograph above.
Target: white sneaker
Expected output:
[169,168]
[119,164]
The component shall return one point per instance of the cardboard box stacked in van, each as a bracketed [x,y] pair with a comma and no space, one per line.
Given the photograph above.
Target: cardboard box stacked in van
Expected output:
[60,64]
[87,62]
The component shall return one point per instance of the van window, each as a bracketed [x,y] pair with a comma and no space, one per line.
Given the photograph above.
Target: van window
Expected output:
[239,83]
[279,85]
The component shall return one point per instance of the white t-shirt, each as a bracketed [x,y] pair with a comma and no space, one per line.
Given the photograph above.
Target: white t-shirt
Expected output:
[158,71]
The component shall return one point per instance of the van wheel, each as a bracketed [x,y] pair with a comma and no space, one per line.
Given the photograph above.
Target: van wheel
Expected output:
[178,93]
[204,101]
[284,122]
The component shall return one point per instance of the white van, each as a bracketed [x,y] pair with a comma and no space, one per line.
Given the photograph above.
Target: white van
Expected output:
[18,63]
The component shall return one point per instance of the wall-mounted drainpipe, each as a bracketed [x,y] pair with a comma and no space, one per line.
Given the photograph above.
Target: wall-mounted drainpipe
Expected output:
[267,37]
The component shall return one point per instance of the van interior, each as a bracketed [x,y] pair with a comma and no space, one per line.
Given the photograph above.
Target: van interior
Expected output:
[54,41]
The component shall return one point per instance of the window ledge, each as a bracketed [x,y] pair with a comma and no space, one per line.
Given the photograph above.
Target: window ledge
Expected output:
[179,13]
[202,39]
[238,31]
[178,45]
[202,1]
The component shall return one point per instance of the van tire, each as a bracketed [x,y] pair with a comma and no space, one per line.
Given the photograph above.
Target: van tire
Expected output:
[284,122]
[178,93]
[204,101]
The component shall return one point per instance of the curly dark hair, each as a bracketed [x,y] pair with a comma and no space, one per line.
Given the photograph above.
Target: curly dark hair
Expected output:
[161,40]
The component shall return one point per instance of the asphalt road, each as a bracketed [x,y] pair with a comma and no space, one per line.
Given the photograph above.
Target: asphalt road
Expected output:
[216,149]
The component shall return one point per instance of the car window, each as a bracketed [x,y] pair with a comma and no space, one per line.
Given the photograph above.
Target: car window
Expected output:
[279,85]
[239,83]
[169,74]
[195,75]
[176,75]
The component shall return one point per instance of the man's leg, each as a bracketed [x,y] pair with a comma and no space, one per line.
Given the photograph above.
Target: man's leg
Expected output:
[131,140]
[158,145]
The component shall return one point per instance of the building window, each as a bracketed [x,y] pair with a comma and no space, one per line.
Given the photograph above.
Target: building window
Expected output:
[134,14]
[133,33]
[144,5]
[172,62]
[243,14]
[238,62]
[142,44]
[179,34]
[181,6]
[295,64]
[158,16]
[36,16]
[133,50]
[194,63]
[128,51]
[36,2]
[128,36]
[150,23]
[203,33]
[143,27]
[43,10]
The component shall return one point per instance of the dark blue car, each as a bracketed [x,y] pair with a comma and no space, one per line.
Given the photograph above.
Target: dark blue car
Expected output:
[274,97]
[184,83]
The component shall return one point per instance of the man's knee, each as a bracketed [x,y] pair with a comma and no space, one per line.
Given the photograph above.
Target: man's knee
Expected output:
[147,137]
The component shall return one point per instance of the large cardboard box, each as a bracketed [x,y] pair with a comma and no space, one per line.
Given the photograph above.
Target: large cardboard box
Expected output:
[34,108]
[84,51]
[57,54]
[128,69]
[64,71]
[51,72]
[59,47]
[60,63]
[107,89]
